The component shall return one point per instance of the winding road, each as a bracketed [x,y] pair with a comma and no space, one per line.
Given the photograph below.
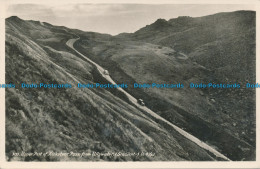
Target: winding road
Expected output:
[133,100]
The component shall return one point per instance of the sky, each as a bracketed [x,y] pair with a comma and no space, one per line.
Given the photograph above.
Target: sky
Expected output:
[114,18]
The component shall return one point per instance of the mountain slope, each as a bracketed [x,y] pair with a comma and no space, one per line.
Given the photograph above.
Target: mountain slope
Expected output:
[218,48]
[70,119]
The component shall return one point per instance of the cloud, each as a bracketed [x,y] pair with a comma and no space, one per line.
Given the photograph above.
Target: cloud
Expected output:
[93,9]
[29,10]
[113,18]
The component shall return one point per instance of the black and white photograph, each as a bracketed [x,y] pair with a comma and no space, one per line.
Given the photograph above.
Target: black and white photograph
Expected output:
[129,82]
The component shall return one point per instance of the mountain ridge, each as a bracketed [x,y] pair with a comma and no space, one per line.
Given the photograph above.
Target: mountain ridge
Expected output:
[109,51]
[212,49]
[37,121]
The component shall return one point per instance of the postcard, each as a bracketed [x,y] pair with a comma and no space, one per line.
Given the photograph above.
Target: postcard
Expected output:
[129,84]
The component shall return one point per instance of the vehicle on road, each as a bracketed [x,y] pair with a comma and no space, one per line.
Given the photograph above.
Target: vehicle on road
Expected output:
[106,72]
[141,102]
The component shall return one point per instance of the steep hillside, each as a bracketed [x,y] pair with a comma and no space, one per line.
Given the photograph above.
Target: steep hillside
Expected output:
[73,120]
[218,48]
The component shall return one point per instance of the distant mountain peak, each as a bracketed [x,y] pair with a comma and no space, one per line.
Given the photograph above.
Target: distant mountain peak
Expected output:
[160,23]
[160,20]
[14,18]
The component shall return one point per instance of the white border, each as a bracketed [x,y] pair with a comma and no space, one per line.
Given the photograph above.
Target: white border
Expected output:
[2,81]
[4,164]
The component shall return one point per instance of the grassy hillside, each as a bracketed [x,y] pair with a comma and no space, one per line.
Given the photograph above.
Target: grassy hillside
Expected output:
[218,48]
[72,119]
